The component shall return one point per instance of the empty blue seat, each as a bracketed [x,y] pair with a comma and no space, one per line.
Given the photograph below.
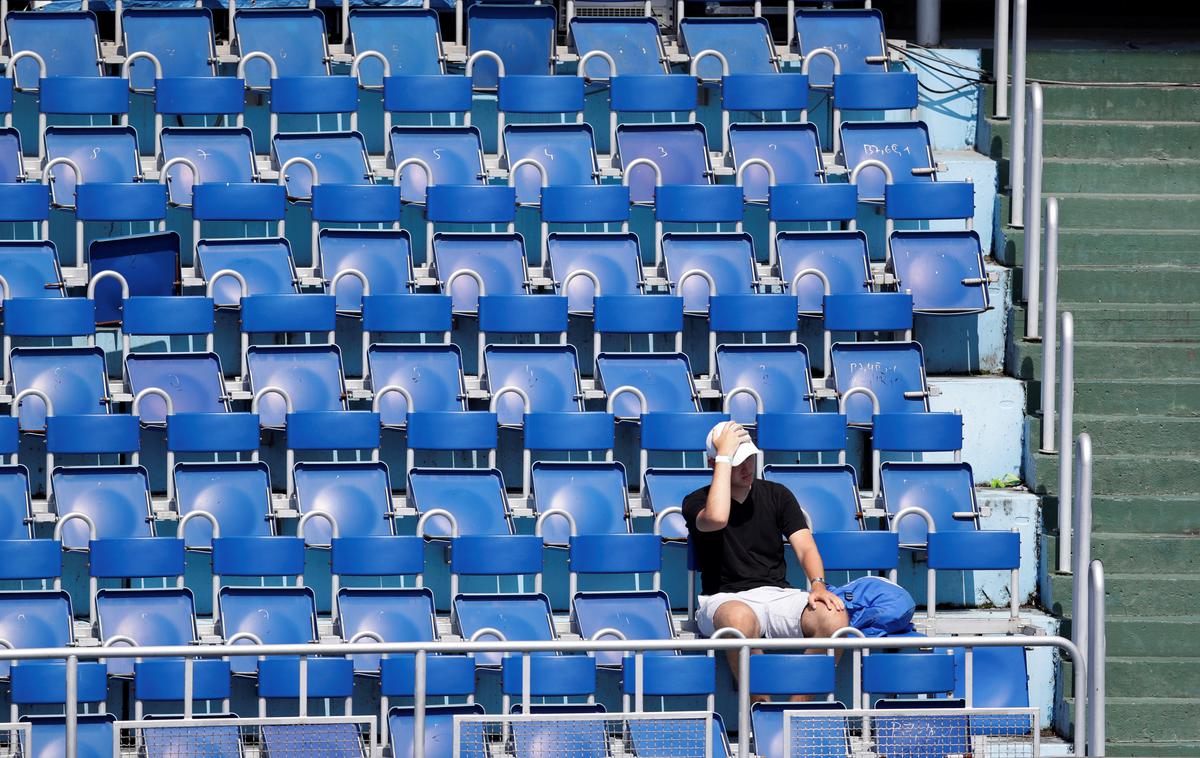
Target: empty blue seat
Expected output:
[499,259]
[116,161]
[903,146]
[222,155]
[192,380]
[265,264]
[774,674]
[357,495]
[635,315]
[391,614]
[821,735]
[593,493]
[383,256]
[778,374]
[548,375]
[633,44]
[522,35]
[311,375]
[908,674]
[727,260]
[410,39]
[474,497]
[15,514]
[35,618]
[453,153]
[875,91]
[664,379]
[856,37]
[48,734]
[430,375]
[566,151]
[439,729]
[612,258]
[238,495]
[181,39]
[792,150]
[73,378]
[679,150]
[637,615]
[893,371]
[340,158]
[841,256]
[68,42]
[293,38]
[745,43]
[522,617]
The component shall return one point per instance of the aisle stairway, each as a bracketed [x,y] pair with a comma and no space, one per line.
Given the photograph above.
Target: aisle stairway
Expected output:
[1125,165]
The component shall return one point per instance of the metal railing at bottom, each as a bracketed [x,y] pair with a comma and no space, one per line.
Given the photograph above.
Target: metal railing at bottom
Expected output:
[858,646]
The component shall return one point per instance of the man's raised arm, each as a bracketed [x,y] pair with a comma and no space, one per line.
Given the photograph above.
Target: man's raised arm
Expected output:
[715,515]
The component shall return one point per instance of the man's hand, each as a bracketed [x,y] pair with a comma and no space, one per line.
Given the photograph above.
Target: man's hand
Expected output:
[731,438]
[822,596]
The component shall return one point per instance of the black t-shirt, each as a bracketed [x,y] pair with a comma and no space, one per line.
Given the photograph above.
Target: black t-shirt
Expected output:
[748,552]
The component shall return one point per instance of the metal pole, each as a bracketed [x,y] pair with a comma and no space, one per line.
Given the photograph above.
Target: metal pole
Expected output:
[1033,212]
[419,705]
[1050,319]
[1000,59]
[929,22]
[1096,659]
[1016,166]
[72,712]
[744,701]
[1066,411]
[1082,541]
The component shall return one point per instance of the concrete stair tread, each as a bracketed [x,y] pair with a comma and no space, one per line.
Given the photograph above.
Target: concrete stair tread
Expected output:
[1117,122]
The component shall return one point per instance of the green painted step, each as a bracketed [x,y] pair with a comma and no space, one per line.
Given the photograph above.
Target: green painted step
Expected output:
[1129,284]
[1123,211]
[1083,138]
[1142,553]
[1127,474]
[1163,397]
[1078,245]
[1159,514]
[1119,65]
[1150,726]
[1113,103]
[1137,595]
[1153,677]
[1131,175]
[1125,433]
[1153,636]
[1113,360]
[1186,748]
[1127,322]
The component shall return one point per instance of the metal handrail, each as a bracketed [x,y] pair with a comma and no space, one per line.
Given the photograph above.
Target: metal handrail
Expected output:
[1097,652]
[1066,413]
[1082,539]
[73,655]
[1000,60]
[1031,204]
[1050,319]
[1017,132]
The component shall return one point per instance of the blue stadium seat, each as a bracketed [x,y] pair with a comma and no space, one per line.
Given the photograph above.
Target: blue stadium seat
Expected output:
[908,674]
[855,36]
[192,380]
[903,146]
[823,735]
[566,151]
[453,153]
[633,44]
[431,377]
[439,729]
[340,158]
[842,258]
[181,39]
[208,433]
[68,42]
[778,374]
[631,315]
[792,150]
[665,488]
[237,495]
[664,380]
[523,315]
[636,615]
[72,378]
[383,256]
[523,617]
[475,498]
[180,96]
[34,618]
[357,494]
[595,494]
[392,614]
[16,516]
[554,676]
[311,375]
[222,155]
[499,259]
[294,38]
[330,432]
[668,675]
[613,258]
[265,264]
[744,42]
[875,91]
[48,734]
[116,159]
[548,375]
[680,151]
[522,35]
[410,39]
[725,263]
[774,674]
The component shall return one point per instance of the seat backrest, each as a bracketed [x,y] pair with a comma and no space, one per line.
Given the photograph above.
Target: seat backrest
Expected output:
[780,374]
[221,154]
[384,256]
[432,375]
[728,258]
[410,39]
[664,378]
[665,488]
[340,158]
[237,494]
[117,498]
[902,145]
[566,151]
[637,615]
[841,256]
[498,258]
[310,374]
[180,38]
[35,618]
[522,35]
[15,516]
[103,153]
[12,166]
[822,735]
[745,42]
[679,150]
[549,375]
[828,494]
[474,497]
[73,378]
[941,489]
[889,369]
[792,150]
[293,37]
[518,617]
[148,616]
[633,43]
[192,380]
[276,615]
[439,729]
[454,154]
[854,35]
[357,495]
[396,615]
[936,266]
[613,257]
[68,41]
[593,493]
[266,265]
[30,268]
[48,735]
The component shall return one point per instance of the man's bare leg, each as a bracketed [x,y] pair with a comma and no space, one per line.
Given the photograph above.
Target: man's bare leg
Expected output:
[736,615]
[820,622]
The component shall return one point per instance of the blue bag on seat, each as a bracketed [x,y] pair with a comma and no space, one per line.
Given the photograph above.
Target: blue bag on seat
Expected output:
[877,607]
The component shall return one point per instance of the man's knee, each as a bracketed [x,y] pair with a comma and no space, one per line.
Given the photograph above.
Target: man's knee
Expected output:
[737,615]
[823,622]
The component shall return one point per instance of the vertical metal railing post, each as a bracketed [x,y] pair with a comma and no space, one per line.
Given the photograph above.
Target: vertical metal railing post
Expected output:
[1097,653]
[1050,319]
[743,749]
[1000,60]
[1082,549]
[1016,165]
[419,689]
[72,707]
[1033,212]
[1066,411]
[929,22]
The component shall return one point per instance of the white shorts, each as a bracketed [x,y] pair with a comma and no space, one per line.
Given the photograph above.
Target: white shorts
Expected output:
[778,610]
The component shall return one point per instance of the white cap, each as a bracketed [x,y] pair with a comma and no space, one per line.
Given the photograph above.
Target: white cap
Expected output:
[744,451]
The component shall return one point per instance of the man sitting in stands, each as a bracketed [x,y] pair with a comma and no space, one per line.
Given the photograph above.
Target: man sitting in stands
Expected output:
[737,526]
